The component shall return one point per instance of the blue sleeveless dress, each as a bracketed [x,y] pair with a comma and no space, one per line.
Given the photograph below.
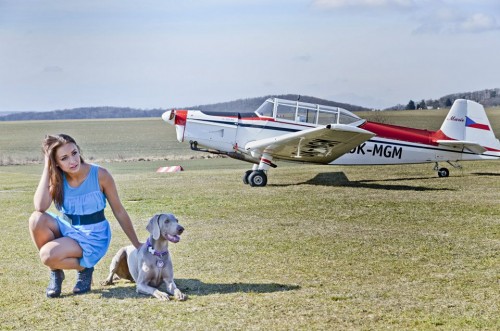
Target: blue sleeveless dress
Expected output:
[86,199]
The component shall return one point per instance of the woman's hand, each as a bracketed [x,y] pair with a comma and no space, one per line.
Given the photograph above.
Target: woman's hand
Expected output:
[46,155]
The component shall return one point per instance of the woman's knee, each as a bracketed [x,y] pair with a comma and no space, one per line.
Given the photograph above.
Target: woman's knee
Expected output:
[36,219]
[55,254]
[39,220]
[46,255]
[51,253]
[43,228]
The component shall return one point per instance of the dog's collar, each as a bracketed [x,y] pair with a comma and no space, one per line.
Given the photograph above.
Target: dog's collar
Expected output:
[153,251]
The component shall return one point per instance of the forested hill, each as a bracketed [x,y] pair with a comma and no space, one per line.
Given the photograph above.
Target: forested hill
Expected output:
[83,113]
[241,105]
[489,97]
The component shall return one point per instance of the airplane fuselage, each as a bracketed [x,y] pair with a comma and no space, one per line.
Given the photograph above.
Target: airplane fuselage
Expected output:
[231,134]
[309,133]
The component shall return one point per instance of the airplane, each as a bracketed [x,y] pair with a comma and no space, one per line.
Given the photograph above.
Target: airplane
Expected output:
[303,132]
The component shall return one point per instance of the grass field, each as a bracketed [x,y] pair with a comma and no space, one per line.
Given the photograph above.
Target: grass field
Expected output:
[319,248]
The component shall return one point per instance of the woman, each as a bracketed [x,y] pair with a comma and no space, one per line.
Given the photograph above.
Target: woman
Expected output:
[79,237]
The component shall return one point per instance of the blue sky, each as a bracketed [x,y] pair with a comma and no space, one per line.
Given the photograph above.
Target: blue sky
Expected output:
[58,54]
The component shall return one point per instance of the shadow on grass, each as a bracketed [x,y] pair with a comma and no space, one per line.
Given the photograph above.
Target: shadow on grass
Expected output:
[340,179]
[197,287]
[492,174]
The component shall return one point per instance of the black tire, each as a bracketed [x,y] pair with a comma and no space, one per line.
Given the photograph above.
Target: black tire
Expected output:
[257,178]
[443,172]
[245,177]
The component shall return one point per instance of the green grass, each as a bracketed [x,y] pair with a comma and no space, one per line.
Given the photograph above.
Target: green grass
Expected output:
[319,248]
[100,140]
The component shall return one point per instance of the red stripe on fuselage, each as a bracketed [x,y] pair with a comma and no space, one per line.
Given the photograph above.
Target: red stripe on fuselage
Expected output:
[403,133]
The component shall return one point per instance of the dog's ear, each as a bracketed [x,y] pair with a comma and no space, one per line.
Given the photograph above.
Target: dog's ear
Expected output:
[153,226]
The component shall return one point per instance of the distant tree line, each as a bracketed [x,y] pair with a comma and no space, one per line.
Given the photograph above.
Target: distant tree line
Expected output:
[83,113]
[240,105]
[487,98]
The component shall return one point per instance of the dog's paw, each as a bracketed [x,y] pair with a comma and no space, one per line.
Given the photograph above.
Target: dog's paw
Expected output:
[107,282]
[161,295]
[179,295]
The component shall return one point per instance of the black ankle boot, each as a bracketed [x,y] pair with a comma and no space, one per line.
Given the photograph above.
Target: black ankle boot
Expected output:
[56,279]
[83,281]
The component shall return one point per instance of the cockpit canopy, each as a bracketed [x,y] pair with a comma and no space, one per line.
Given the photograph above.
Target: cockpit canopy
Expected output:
[303,112]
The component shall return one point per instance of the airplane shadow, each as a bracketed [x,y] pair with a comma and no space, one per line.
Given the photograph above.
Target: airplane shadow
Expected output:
[486,174]
[196,287]
[340,179]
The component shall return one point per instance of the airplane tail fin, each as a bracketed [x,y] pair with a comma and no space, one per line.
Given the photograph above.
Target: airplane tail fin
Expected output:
[467,122]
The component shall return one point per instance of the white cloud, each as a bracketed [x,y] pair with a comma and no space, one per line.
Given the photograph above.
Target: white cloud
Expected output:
[429,16]
[478,23]
[452,21]
[333,4]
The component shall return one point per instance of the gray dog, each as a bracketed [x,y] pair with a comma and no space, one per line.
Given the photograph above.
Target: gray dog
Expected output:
[151,264]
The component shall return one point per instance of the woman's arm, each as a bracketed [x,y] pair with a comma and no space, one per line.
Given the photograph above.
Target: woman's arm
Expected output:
[42,199]
[109,189]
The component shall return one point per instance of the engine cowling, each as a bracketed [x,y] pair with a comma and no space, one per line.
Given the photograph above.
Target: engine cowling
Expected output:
[177,118]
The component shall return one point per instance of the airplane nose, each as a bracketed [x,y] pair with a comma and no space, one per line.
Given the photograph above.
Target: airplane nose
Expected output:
[178,118]
[168,116]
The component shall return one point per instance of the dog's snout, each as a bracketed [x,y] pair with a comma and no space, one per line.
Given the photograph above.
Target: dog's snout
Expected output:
[180,229]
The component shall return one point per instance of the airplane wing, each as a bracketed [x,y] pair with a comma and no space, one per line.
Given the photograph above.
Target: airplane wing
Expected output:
[317,145]
[471,146]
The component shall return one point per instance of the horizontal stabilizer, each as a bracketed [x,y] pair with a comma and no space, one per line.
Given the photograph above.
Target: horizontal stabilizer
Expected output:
[471,146]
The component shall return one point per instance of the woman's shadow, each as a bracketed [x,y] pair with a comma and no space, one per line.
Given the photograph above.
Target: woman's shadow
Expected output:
[197,287]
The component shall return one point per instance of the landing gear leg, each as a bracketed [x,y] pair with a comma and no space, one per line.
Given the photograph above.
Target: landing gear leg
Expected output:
[257,176]
[455,165]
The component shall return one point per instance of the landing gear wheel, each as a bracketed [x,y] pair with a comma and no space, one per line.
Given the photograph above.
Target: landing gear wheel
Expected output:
[245,177]
[443,172]
[257,178]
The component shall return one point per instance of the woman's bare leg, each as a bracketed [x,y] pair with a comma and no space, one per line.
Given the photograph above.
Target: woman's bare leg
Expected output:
[61,253]
[43,228]
[56,252]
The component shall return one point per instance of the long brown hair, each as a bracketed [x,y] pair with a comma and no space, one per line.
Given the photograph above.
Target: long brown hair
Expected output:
[50,145]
